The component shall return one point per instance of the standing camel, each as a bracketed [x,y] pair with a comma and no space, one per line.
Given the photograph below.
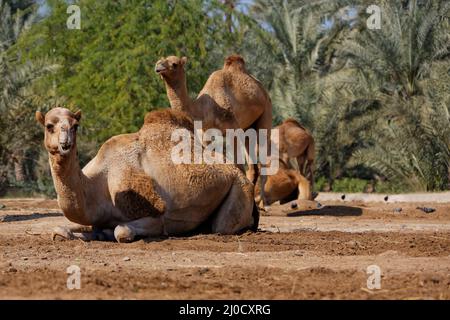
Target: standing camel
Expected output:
[296,142]
[133,189]
[230,99]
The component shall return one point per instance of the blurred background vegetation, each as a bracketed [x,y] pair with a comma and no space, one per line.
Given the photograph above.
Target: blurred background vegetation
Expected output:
[377,101]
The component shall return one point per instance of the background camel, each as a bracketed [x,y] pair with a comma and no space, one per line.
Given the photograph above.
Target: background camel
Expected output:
[230,99]
[286,185]
[133,187]
[296,142]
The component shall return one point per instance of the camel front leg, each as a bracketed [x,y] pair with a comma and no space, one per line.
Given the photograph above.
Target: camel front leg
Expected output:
[143,227]
[264,122]
[85,233]
[251,172]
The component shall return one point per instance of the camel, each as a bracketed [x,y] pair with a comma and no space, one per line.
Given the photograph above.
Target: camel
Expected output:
[230,99]
[286,185]
[132,188]
[296,142]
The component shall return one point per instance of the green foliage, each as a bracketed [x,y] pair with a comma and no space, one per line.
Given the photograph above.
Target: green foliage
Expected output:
[349,185]
[107,66]
[18,99]
[377,101]
[407,63]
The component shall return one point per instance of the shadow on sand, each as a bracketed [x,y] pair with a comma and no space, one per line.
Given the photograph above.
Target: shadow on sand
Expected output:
[25,217]
[337,211]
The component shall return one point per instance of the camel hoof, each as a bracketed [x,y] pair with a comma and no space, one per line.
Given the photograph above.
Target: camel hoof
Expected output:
[123,234]
[63,233]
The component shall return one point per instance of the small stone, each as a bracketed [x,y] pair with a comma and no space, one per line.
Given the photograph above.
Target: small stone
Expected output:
[386,198]
[25,258]
[319,205]
[12,269]
[298,253]
[294,205]
[353,243]
[2,206]
[126,259]
[398,210]
[203,270]
[343,197]
[426,210]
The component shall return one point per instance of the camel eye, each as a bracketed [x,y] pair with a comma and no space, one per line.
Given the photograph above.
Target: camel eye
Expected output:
[50,127]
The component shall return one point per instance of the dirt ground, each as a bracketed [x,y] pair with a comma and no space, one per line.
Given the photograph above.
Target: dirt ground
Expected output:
[313,252]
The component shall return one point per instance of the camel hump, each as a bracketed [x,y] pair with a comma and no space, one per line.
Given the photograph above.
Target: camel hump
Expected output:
[169,116]
[235,61]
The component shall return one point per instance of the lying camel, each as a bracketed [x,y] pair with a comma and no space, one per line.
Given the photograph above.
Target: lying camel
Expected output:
[284,186]
[296,142]
[230,99]
[133,187]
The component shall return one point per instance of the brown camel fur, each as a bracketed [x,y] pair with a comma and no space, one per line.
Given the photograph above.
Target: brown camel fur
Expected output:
[133,189]
[296,142]
[230,99]
[286,185]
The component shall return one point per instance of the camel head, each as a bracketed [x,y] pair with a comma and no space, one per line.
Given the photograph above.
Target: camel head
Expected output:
[60,130]
[170,68]
[235,62]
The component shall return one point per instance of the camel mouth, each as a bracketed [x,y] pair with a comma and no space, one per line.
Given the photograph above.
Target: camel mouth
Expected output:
[64,148]
[160,68]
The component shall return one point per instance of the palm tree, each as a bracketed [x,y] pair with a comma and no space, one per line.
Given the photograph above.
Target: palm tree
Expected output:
[302,46]
[16,95]
[398,65]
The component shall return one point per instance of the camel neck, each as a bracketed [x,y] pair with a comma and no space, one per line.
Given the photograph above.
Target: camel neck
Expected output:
[70,184]
[178,94]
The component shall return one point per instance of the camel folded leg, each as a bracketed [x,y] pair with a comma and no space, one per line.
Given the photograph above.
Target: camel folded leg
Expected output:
[143,227]
[85,233]
[304,188]
[237,212]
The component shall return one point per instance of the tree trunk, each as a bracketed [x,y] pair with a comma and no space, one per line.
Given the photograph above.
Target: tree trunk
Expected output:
[19,166]
[228,18]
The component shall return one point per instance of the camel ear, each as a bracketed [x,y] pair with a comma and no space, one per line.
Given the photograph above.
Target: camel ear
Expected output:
[77,115]
[184,60]
[40,118]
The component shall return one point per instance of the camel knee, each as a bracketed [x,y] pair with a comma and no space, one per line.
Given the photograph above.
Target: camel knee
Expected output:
[63,233]
[124,233]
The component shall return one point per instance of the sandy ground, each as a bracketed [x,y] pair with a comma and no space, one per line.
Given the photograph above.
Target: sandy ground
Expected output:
[307,253]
